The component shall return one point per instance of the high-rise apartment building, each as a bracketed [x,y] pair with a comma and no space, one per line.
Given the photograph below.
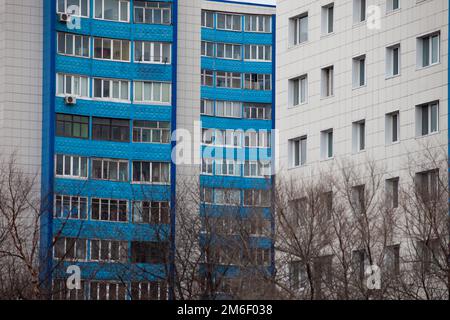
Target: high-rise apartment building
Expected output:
[93,92]
[361,82]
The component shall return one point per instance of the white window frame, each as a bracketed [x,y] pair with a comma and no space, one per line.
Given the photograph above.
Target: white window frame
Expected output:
[298,150]
[256,168]
[421,49]
[73,78]
[86,15]
[228,109]
[207,167]
[390,6]
[207,107]
[207,74]
[390,61]
[71,159]
[359,74]
[111,89]
[163,132]
[390,127]
[152,6]
[107,161]
[229,79]
[72,209]
[257,139]
[299,91]
[153,98]
[327,82]
[229,197]
[112,46]
[359,131]
[258,52]
[73,39]
[261,78]
[119,11]
[232,167]
[236,51]
[326,146]
[420,117]
[257,23]
[76,241]
[359,11]
[204,23]
[152,54]
[297,26]
[122,250]
[257,111]
[151,167]
[208,49]
[110,203]
[229,19]
[326,29]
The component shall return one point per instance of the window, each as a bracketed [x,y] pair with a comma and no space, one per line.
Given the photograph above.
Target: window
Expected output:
[111,49]
[206,195]
[109,250]
[207,49]
[392,127]
[153,212]
[72,85]
[83,7]
[257,139]
[207,166]
[427,119]
[151,131]
[152,52]
[228,168]
[149,252]
[207,107]
[227,196]
[358,200]
[427,185]
[151,172]
[257,169]
[109,210]
[229,22]
[207,19]
[207,78]
[429,254]
[359,136]
[392,5]
[106,129]
[359,261]
[231,109]
[154,290]
[392,193]
[393,61]
[328,19]
[60,291]
[359,71]
[257,111]
[73,45]
[152,92]
[71,166]
[228,80]
[299,90]
[298,29]
[327,212]
[111,89]
[297,150]
[102,290]
[228,51]
[70,249]
[255,81]
[359,11]
[392,260]
[228,138]
[298,275]
[207,136]
[72,126]
[323,272]
[257,198]
[258,52]
[428,50]
[114,10]
[327,82]
[110,169]
[70,207]
[326,144]
[152,12]
[258,23]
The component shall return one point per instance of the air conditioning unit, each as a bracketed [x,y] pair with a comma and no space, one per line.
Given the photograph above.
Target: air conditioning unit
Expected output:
[71,100]
[64,17]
